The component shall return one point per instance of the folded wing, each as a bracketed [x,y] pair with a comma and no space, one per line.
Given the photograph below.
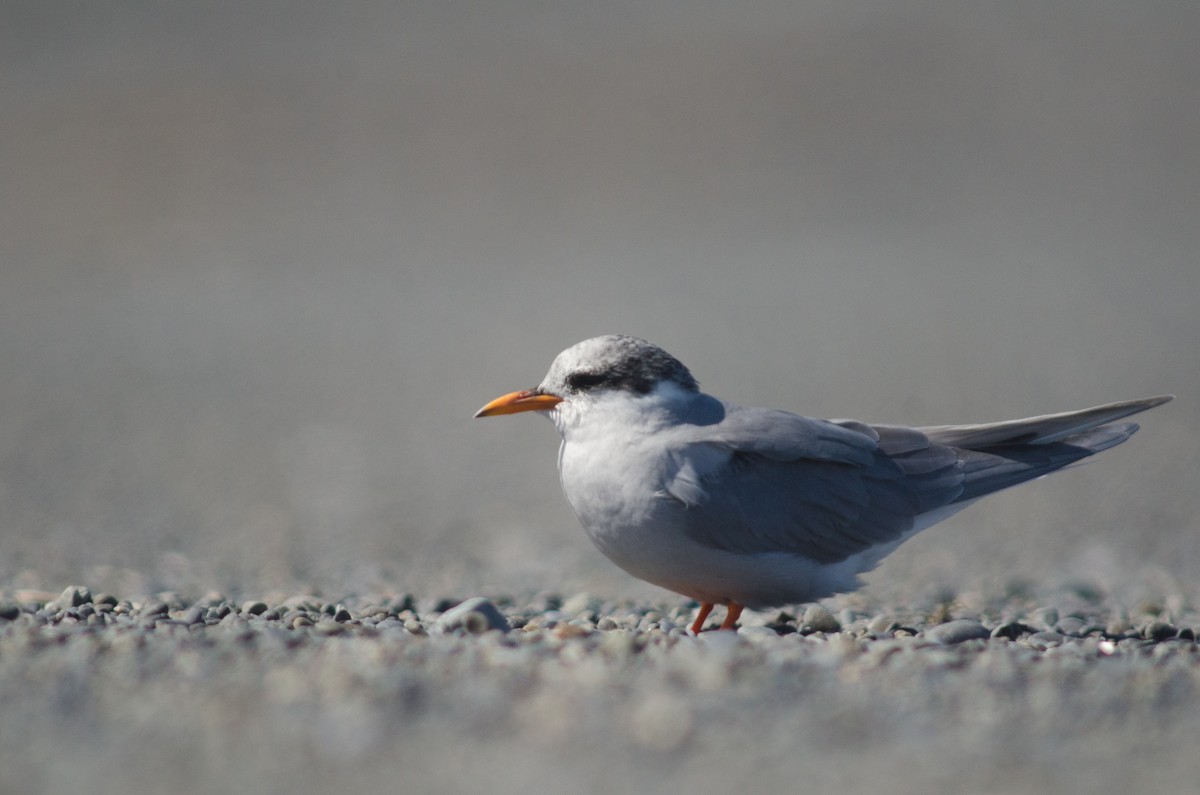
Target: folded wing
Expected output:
[770,481]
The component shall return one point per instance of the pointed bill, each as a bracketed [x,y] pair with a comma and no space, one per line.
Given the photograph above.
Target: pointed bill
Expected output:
[513,402]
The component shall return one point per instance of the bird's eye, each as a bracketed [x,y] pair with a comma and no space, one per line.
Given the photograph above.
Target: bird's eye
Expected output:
[582,381]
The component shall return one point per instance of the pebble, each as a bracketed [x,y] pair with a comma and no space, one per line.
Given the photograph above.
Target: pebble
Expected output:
[958,631]
[1073,626]
[147,620]
[476,615]
[1117,627]
[758,633]
[155,607]
[620,643]
[561,631]
[818,619]
[194,615]
[881,650]
[234,621]
[1011,630]
[579,603]
[254,607]
[328,627]
[882,624]
[1159,631]
[75,595]
[1044,640]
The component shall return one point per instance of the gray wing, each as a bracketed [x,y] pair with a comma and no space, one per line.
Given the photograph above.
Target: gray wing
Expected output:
[824,490]
[778,482]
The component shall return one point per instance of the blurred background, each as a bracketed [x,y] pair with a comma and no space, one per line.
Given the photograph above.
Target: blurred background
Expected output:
[260,262]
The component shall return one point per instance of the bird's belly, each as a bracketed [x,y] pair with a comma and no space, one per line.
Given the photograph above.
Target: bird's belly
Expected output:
[650,544]
[624,507]
[647,537]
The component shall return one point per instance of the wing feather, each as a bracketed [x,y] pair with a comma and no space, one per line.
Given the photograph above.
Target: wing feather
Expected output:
[758,480]
[823,490]
[1045,429]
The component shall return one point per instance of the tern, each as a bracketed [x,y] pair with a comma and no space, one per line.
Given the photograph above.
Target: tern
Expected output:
[751,507]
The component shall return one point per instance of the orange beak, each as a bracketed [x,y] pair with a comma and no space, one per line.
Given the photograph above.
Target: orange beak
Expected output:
[514,402]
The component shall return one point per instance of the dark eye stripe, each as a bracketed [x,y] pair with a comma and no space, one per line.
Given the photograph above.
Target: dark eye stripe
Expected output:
[581,381]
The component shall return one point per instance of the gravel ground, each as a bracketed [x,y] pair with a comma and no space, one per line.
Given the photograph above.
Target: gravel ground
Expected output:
[1058,691]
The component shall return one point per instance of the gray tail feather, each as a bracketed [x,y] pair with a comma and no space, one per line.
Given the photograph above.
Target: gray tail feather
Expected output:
[997,467]
[997,455]
[1044,430]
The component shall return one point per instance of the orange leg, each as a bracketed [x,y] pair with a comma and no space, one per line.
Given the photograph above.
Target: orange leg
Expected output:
[732,613]
[698,624]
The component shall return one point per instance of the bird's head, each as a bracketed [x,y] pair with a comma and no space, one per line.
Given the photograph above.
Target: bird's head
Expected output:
[613,363]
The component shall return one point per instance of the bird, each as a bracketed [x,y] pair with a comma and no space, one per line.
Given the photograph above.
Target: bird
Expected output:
[761,508]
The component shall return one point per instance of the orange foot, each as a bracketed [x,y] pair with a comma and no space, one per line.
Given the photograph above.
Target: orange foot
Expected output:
[732,612]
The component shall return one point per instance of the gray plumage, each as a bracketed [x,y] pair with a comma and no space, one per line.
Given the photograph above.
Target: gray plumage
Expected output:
[759,507]
[830,489]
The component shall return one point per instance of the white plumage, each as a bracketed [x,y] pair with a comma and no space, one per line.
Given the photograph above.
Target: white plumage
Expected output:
[760,508]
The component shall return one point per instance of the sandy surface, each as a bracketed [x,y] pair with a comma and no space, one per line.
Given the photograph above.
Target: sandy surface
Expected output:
[1063,691]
